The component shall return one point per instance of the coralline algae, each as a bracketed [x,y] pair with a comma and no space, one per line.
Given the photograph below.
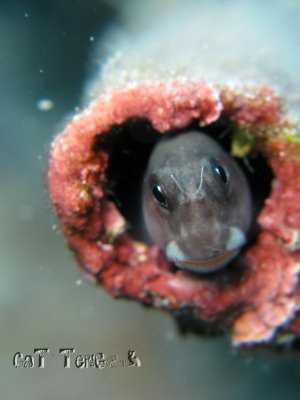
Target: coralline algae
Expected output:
[230,78]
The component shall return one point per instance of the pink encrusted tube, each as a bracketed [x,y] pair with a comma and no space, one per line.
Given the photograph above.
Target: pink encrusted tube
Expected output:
[258,299]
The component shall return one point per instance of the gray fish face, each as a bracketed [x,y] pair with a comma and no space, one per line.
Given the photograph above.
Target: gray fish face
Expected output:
[196,202]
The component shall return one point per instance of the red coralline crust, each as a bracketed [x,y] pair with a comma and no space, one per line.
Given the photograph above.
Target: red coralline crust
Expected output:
[258,300]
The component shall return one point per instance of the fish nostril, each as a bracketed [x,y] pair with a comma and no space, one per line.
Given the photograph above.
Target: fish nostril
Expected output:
[200,196]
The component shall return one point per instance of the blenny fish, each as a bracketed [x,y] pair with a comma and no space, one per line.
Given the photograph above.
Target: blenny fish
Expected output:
[197,203]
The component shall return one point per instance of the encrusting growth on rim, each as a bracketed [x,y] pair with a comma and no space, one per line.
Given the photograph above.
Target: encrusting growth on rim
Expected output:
[257,299]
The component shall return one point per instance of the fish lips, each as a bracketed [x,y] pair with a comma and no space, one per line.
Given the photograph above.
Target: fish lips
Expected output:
[205,265]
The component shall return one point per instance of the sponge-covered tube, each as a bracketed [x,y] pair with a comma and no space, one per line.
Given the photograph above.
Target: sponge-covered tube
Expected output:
[208,83]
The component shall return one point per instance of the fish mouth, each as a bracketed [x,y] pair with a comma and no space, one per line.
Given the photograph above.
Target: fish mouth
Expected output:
[202,265]
[208,265]
[235,241]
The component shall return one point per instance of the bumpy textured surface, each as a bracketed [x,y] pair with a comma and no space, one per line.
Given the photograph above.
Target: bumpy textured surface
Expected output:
[259,299]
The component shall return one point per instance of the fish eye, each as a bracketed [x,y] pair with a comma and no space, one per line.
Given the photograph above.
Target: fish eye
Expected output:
[222,173]
[159,196]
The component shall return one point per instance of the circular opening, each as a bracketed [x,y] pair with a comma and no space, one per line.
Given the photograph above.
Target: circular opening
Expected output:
[129,147]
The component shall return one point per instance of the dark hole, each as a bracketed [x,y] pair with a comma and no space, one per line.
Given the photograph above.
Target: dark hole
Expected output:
[130,146]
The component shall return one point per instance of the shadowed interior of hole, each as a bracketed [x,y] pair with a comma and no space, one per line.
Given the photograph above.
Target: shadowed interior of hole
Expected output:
[130,146]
